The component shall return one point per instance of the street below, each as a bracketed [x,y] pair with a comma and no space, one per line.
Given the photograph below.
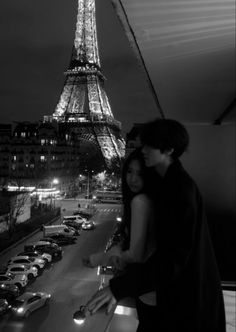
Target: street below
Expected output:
[69,282]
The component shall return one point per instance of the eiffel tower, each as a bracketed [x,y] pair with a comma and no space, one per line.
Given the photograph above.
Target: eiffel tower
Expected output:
[83,107]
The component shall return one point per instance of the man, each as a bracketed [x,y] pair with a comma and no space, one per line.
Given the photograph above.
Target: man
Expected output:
[183,270]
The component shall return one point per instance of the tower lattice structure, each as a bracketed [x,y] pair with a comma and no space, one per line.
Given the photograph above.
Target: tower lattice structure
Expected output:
[83,105]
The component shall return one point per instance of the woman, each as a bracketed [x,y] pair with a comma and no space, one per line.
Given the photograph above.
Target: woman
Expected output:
[138,227]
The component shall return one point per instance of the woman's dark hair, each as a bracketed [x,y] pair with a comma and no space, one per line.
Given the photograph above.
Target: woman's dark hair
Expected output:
[165,134]
[127,194]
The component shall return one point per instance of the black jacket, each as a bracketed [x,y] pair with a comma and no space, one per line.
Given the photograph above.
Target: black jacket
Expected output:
[183,271]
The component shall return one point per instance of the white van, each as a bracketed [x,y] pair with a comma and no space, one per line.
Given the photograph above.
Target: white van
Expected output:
[57,229]
[78,219]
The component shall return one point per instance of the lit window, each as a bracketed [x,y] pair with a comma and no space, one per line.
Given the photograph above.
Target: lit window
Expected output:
[23,134]
[43,141]
[42,158]
[14,158]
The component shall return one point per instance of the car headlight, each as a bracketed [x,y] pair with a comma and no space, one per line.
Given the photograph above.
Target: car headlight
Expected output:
[20,310]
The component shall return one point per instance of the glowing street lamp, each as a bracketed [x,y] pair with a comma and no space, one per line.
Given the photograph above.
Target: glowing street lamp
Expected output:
[55,181]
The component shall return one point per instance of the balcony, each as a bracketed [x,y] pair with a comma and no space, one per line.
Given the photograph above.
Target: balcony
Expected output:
[124,317]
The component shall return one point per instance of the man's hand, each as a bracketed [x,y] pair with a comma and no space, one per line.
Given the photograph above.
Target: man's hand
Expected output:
[117,262]
[102,297]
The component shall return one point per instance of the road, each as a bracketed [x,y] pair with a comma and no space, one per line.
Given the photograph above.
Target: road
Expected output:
[69,282]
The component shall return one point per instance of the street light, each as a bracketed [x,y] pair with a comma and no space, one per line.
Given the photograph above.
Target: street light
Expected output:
[55,181]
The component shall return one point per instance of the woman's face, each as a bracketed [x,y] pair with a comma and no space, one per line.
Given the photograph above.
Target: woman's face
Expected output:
[134,178]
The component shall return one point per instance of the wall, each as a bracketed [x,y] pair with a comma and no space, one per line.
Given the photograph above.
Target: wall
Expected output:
[211,161]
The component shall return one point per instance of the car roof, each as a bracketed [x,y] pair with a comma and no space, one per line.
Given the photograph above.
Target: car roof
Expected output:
[77,216]
[19,257]
[17,265]
[28,253]
[28,295]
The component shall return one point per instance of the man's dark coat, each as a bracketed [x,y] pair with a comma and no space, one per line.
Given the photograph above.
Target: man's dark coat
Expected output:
[183,270]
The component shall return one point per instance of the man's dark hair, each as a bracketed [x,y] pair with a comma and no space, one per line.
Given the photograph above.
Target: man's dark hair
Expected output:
[165,134]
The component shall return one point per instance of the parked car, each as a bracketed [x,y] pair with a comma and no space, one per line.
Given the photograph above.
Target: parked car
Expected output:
[73,223]
[9,292]
[4,306]
[28,302]
[36,254]
[76,231]
[28,261]
[30,271]
[48,239]
[14,279]
[83,214]
[43,246]
[60,239]
[76,218]
[88,225]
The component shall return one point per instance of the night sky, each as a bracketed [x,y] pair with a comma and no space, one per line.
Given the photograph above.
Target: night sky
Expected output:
[36,41]
[188,48]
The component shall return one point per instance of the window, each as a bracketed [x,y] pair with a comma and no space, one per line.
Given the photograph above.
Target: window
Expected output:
[16,269]
[23,134]
[34,298]
[42,158]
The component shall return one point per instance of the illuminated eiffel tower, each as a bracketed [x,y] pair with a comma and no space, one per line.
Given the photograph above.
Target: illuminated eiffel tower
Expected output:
[83,106]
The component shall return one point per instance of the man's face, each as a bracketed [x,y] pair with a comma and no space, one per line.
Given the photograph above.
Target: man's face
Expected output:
[153,157]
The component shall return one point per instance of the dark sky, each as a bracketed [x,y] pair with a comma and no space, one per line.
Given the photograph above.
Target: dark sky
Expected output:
[36,41]
[188,48]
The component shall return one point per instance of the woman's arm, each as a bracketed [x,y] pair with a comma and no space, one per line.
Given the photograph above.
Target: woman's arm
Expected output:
[141,213]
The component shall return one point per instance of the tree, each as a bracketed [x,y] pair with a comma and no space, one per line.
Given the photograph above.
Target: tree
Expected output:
[17,203]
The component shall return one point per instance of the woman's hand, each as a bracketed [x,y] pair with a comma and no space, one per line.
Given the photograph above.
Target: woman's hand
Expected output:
[102,297]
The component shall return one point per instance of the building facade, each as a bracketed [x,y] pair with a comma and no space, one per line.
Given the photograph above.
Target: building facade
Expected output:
[32,154]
